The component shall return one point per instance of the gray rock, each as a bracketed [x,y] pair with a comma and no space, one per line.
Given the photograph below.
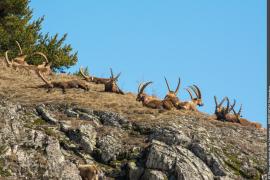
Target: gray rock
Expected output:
[154,175]
[112,119]
[71,113]
[109,148]
[170,136]
[85,136]
[58,167]
[45,115]
[178,159]
[134,172]
[161,156]
[189,166]
[209,158]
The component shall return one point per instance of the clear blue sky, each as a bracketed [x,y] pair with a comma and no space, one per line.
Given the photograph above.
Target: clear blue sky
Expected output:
[218,45]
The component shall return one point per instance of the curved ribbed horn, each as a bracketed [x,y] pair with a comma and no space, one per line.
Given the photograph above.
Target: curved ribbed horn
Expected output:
[82,73]
[116,78]
[190,94]
[111,73]
[178,86]
[43,55]
[239,112]
[42,77]
[144,86]
[7,59]
[215,98]
[199,92]
[194,90]
[222,101]
[232,106]
[139,87]
[169,89]
[18,44]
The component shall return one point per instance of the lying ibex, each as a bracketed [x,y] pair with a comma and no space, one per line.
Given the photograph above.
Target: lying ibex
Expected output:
[221,111]
[194,102]
[12,63]
[63,85]
[45,67]
[19,62]
[235,117]
[20,59]
[150,101]
[111,85]
[94,79]
[172,95]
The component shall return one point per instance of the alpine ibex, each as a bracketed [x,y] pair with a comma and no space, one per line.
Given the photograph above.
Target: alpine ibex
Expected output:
[235,117]
[94,79]
[45,67]
[12,63]
[63,85]
[111,85]
[194,102]
[19,62]
[172,95]
[150,101]
[221,111]
[90,172]
[20,59]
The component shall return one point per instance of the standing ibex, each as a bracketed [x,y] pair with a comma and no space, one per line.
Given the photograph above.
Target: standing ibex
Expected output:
[150,101]
[63,85]
[194,102]
[172,95]
[94,79]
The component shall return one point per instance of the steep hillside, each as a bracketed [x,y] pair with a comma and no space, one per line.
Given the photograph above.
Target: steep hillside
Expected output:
[51,135]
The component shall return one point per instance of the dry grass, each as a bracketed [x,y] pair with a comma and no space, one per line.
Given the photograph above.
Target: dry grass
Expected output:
[22,86]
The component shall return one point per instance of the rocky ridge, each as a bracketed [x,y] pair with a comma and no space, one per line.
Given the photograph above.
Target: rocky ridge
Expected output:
[50,141]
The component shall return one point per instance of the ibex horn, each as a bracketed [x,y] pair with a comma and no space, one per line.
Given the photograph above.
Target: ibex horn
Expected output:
[168,86]
[190,94]
[18,44]
[7,59]
[43,55]
[178,86]
[144,86]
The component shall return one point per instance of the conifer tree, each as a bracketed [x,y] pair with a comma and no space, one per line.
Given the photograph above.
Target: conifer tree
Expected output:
[16,24]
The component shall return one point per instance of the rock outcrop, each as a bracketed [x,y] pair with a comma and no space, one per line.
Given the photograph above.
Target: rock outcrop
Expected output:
[54,141]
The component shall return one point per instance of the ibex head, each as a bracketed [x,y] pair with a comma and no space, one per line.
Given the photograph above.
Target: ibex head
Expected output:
[221,111]
[112,78]
[87,78]
[20,59]
[198,99]
[237,115]
[172,94]
[141,95]
[219,108]
[111,84]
